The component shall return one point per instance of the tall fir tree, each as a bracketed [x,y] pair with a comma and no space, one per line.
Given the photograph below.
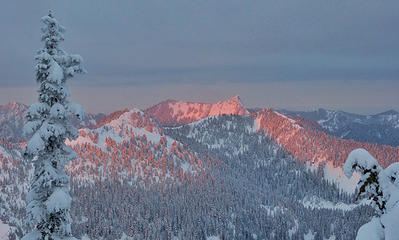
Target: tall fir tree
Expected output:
[48,126]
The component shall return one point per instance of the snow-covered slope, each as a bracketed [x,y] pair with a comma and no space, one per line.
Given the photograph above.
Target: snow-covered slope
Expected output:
[258,158]
[172,113]
[382,128]
[305,139]
[232,136]
[313,145]
[132,147]
[4,229]
[14,182]
[129,149]
[318,203]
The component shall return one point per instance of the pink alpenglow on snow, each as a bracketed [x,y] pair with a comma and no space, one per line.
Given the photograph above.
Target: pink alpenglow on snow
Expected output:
[172,112]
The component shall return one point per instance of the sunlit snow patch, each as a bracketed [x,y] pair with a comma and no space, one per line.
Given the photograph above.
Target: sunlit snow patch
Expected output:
[318,203]
[309,236]
[337,175]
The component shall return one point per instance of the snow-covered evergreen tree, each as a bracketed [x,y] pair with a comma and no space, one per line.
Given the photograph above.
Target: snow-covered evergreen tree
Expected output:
[381,186]
[48,201]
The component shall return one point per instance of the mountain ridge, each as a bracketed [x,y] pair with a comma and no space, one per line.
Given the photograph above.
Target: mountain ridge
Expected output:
[313,145]
[380,128]
[173,113]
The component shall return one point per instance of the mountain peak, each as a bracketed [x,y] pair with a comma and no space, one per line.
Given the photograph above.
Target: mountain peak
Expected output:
[174,113]
[109,118]
[169,101]
[127,117]
[236,98]
[231,106]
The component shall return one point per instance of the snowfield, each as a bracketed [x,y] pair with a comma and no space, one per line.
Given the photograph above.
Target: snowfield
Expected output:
[315,202]
[4,228]
[337,175]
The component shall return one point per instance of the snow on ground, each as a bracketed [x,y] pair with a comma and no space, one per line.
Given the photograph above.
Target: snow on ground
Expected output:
[4,228]
[390,222]
[113,130]
[196,111]
[126,237]
[318,203]
[85,237]
[272,210]
[213,238]
[294,228]
[289,119]
[337,175]
[309,236]
[371,231]
[330,238]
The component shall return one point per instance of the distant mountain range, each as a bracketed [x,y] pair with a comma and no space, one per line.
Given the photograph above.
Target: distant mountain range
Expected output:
[382,128]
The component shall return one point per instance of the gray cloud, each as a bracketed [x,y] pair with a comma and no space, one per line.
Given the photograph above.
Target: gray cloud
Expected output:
[130,43]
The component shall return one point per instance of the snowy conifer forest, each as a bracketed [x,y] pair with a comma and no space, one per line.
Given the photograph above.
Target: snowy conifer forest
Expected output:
[188,170]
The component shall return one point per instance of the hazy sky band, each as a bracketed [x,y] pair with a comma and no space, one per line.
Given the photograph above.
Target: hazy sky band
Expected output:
[334,45]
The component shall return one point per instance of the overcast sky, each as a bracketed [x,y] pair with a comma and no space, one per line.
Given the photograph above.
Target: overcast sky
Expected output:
[295,54]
